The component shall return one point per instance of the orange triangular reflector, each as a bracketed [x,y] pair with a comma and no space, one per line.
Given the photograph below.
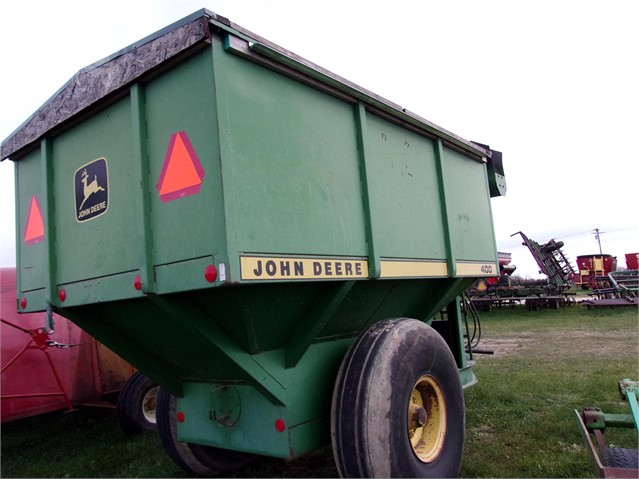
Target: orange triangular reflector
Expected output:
[34,231]
[182,172]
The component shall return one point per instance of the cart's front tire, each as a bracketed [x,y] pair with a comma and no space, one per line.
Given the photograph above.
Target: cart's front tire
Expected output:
[398,404]
[137,403]
[195,459]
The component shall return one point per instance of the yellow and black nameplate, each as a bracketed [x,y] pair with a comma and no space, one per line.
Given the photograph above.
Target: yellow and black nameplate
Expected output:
[259,268]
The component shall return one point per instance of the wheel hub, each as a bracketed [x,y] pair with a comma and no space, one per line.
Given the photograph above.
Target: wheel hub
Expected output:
[149,405]
[426,420]
[417,416]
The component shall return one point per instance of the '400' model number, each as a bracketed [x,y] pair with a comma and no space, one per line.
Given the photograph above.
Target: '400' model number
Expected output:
[487,268]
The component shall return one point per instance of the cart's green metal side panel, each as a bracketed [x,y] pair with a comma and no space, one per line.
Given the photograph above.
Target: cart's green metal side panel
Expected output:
[193,226]
[469,213]
[289,163]
[32,257]
[401,165]
[85,250]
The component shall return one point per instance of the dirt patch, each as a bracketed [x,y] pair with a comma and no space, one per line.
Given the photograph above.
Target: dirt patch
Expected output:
[482,432]
[504,346]
[597,344]
[563,343]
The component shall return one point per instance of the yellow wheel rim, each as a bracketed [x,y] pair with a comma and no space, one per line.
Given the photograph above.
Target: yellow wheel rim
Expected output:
[426,418]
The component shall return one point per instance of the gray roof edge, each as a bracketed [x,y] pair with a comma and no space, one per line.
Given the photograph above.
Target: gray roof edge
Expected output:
[94,82]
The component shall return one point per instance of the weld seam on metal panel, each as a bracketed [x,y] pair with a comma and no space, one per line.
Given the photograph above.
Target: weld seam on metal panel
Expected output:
[374,269]
[142,200]
[439,159]
[17,241]
[49,219]
[225,152]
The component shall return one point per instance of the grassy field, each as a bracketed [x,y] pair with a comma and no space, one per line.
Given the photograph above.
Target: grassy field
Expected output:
[520,420]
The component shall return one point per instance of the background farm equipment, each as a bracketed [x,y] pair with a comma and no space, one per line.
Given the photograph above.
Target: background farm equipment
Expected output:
[612,288]
[551,261]
[620,462]
[535,294]
[617,288]
[592,267]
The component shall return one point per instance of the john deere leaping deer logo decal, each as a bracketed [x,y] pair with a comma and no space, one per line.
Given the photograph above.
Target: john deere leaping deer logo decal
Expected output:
[91,190]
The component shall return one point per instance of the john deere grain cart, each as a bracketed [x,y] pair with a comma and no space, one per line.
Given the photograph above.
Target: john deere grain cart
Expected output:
[268,241]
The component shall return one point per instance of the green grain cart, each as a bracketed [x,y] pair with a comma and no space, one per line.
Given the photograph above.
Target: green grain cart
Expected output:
[254,232]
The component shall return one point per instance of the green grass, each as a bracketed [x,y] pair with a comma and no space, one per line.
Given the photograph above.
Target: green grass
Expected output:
[83,443]
[519,421]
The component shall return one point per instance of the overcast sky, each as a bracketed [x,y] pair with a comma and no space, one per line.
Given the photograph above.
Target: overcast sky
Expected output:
[552,84]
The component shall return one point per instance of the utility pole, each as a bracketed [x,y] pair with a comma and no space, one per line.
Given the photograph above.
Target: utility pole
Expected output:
[598,234]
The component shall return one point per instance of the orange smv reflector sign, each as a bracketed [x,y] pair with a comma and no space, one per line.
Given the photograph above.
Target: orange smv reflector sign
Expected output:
[182,172]
[34,230]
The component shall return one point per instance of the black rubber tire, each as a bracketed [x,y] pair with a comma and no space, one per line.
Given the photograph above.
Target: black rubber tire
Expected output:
[621,457]
[195,459]
[370,402]
[134,401]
